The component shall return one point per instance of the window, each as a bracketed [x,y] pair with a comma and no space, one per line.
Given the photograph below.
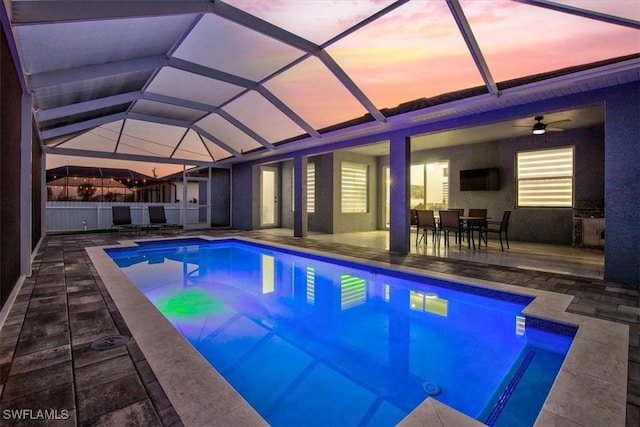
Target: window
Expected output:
[354,187]
[311,188]
[545,178]
[430,185]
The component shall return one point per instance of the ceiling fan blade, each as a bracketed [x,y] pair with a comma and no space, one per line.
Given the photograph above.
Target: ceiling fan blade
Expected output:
[552,129]
[557,121]
[521,126]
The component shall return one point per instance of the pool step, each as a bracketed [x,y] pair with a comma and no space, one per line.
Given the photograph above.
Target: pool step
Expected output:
[509,389]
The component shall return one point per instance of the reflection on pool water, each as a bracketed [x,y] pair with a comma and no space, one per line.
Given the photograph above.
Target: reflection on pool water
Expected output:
[309,340]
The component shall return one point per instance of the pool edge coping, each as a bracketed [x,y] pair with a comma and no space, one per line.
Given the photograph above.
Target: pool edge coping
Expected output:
[575,377]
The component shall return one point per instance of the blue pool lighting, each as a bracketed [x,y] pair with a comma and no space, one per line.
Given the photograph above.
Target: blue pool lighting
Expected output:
[308,339]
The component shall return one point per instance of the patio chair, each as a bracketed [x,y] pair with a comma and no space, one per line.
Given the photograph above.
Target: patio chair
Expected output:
[460,213]
[450,221]
[497,227]
[121,219]
[426,221]
[158,219]
[413,216]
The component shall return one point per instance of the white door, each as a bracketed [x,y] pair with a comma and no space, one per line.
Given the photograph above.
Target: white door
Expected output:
[387,197]
[196,203]
[268,196]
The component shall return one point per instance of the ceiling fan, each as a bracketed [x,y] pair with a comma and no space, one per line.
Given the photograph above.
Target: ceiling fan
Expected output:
[540,128]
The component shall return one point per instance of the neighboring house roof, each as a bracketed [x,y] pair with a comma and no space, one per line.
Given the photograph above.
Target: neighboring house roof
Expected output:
[126,177]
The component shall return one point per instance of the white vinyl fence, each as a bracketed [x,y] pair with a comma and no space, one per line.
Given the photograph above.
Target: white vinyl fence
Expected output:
[81,216]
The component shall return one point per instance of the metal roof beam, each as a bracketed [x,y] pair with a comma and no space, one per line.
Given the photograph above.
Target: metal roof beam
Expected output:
[244,128]
[202,70]
[90,72]
[350,85]
[136,157]
[90,124]
[254,23]
[366,22]
[184,135]
[81,126]
[288,111]
[611,19]
[81,107]
[157,119]
[215,140]
[150,96]
[46,11]
[104,70]
[242,82]
[472,44]
[211,109]
[180,123]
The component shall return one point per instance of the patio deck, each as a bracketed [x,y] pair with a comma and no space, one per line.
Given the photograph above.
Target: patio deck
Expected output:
[46,363]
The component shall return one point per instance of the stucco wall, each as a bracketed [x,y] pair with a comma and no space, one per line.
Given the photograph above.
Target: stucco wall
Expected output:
[36,191]
[286,211]
[322,220]
[242,196]
[220,197]
[346,222]
[622,185]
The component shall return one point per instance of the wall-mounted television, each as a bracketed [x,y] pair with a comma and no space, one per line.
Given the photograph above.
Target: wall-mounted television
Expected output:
[487,179]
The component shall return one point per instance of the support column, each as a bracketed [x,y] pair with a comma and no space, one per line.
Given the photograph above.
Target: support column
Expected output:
[621,188]
[399,221]
[183,208]
[25,186]
[43,192]
[300,218]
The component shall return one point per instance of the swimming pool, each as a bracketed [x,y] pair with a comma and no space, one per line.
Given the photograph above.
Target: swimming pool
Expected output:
[373,343]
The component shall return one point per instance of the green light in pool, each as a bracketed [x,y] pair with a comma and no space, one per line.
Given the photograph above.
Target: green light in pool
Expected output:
[189,303]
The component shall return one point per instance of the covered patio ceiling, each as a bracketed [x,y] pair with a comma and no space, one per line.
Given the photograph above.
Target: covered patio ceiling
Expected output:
[212,82]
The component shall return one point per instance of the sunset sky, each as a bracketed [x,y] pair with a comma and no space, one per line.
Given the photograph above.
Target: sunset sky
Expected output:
[414,51]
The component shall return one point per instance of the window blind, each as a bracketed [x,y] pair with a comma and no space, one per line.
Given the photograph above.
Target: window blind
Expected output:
[311,188]
[354,187]
[545,178]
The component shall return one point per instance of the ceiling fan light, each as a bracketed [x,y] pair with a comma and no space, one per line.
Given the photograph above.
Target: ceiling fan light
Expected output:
[539,128]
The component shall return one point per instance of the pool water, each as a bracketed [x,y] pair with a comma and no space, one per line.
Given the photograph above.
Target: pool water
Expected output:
[310,340]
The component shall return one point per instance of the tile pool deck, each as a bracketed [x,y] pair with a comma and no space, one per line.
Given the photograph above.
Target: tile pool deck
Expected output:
[46,362]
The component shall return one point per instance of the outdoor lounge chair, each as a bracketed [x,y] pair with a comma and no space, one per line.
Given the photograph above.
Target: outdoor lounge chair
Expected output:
[158,219]
[122,220]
